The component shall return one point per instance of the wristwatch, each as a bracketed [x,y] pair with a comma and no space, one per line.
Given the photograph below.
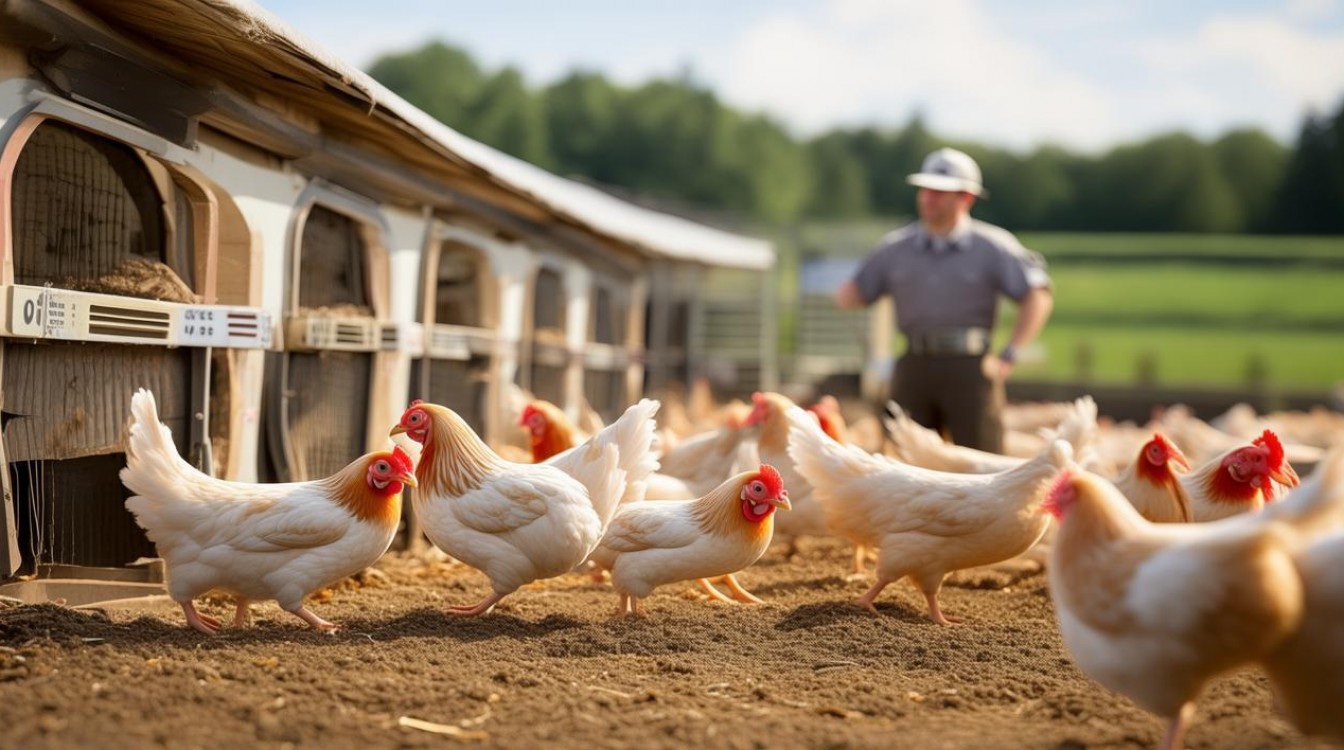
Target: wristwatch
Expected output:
[1009,354]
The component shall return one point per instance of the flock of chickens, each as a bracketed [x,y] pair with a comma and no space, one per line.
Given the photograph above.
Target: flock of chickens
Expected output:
[1164,573]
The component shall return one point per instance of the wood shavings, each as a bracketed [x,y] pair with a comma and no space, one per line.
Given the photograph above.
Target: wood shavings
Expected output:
[447,730]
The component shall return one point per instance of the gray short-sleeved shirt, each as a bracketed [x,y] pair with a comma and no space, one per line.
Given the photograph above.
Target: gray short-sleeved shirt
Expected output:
[949,282]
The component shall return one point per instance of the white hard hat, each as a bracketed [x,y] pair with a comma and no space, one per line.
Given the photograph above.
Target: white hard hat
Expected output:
[950,170]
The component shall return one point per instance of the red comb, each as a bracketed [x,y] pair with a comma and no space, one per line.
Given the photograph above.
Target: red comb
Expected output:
[773,481]
[416,402]
[1270,442]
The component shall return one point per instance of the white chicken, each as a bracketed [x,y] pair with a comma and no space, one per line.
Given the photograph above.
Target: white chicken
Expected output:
[518,523]
[1152,485]
[704,460]
[769,411]
[920,446]
[924,524]
[1308,669]
[1239,481]
[656,542]
[257,541]
[1154,611]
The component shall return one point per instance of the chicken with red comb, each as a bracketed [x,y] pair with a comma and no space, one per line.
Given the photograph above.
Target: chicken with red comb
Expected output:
[1155,611]
[258,541]
[1152,485]
[652,543]
[1239,481]
[518,523]
[549,431]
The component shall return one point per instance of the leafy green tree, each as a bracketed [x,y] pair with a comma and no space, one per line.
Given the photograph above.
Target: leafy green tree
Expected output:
[439,78]
[840,182]
[581,112]
[509,117]
[1253,165]
[1310,197]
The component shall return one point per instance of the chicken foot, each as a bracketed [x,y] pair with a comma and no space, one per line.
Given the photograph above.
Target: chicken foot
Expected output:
[204,623]
[1175,737]
[630,606]
[479,608]
[312,619]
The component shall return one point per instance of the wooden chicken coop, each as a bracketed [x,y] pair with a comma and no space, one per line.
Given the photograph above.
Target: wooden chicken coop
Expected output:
[338,340]
[110,245]
[196,200]
[460,314]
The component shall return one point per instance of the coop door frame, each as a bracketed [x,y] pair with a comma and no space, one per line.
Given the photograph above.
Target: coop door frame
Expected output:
[168,170]
[619,355]
[444,341]
[563,354]
[378,336]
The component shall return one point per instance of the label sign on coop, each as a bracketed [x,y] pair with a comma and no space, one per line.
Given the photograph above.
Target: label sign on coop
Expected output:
[34,312]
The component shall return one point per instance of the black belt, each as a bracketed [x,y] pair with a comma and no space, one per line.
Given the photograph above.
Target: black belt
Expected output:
[949,342]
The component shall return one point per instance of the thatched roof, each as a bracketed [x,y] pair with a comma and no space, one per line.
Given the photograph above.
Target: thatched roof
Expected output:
[239,45]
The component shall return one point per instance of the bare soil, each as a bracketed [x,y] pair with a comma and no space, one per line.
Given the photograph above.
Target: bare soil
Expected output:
[551,668]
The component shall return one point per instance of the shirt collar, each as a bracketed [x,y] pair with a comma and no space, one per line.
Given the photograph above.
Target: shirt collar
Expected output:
[954,240]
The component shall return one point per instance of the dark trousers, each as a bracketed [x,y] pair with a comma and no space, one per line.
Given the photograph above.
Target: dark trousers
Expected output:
[951,394]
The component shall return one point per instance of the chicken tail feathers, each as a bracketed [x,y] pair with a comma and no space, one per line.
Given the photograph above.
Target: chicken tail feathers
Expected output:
[910,438]
[822,461]
[616,463]
[154,470]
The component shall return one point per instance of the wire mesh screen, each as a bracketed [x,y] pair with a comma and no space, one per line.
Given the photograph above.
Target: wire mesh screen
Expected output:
[327,409]
[610,311]
[65,410]
[461,386]
[84,207]
[457,296]
[331,262]
[86,216]
[605,392]
[549,351]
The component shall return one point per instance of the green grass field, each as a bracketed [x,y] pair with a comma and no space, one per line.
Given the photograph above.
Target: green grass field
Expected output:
[1191,321]
[1191,310]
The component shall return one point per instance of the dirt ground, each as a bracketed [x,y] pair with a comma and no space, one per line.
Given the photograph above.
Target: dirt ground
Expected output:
[551,668]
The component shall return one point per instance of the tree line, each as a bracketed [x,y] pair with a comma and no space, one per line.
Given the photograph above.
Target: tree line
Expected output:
[674,141]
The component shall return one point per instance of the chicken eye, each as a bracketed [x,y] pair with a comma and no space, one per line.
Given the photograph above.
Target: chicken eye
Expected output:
[382,467]
[757,488]
[417,417]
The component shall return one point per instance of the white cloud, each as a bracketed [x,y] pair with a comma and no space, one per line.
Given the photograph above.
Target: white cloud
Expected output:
[874,61]
[1308,10]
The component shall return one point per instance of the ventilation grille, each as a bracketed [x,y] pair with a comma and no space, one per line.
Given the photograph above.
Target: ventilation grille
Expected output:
[605,357]
[37,312]
[306,333]
[459,342]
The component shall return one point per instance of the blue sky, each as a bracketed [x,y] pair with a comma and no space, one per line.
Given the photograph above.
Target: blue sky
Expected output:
[1085,75]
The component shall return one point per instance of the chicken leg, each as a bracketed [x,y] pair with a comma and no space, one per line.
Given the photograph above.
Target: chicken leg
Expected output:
[1175,737]
[712,592]
[204,623]
[312,619]
[242,615]
[630,606]
[479,608]
[740,593]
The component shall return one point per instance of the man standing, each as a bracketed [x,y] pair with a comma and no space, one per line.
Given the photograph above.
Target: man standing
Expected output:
[945,274]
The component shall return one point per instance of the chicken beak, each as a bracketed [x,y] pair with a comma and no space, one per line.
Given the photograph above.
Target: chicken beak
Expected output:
[408,479]
[1180,460]
[782,502]
[1285,475]
[398,430]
